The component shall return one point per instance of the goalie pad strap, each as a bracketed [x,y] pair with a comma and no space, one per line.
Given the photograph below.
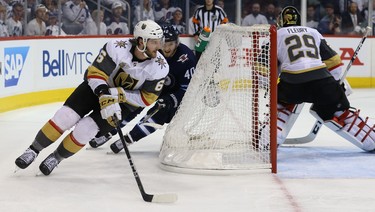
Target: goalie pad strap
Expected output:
[355,129]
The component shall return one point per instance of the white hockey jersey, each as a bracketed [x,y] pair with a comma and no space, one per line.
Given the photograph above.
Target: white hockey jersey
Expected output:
[116,67]
[299,54]
[115,28]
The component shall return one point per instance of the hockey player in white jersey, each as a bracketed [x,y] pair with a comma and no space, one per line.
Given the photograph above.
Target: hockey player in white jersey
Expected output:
[182,62]
[126,76]
[310,72]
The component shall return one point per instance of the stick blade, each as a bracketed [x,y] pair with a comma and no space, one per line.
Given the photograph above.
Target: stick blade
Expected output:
[302,140]
[164,198]
[154,125]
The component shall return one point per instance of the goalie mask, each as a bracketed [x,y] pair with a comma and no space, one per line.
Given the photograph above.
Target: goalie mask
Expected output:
[289,16]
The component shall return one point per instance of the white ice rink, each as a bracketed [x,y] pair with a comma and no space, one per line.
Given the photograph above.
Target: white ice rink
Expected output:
[328,174]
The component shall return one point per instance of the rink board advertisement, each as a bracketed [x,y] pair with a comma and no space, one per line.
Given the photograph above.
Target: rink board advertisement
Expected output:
[35,66]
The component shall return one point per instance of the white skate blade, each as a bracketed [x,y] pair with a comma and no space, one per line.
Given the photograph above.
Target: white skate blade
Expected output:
[92,148]
[16,169]
[112,153]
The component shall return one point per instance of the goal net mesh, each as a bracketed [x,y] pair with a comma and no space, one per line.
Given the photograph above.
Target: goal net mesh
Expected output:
[223,120]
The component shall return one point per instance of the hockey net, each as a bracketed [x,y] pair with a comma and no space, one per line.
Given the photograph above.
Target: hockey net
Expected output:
[226,120]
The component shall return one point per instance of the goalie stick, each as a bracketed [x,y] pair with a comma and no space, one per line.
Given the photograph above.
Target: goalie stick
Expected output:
[156,198]
[318,124]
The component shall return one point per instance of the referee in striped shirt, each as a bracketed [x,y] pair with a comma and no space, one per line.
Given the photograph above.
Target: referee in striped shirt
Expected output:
[209,15]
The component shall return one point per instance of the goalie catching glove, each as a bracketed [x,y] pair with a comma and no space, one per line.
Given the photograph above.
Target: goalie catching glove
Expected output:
[109,104]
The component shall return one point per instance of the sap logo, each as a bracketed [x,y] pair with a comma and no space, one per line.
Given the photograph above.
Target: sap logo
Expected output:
[14,59]
[347,54]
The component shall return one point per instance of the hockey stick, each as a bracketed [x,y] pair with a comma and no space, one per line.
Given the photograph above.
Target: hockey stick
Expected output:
[148,116]
[308,138]
[156,198]
[318,124]
[368,29]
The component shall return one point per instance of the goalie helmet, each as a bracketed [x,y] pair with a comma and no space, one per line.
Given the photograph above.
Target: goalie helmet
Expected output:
[170,33]
[289,16]
[148,29]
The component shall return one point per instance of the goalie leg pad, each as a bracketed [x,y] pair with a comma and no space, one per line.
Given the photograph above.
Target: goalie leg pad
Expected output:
[351,126]
[287,115]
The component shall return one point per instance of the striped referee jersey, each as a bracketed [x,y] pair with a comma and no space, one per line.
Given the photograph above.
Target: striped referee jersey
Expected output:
[211,18]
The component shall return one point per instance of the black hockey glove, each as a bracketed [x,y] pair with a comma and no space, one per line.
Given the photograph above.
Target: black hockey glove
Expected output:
[164,103]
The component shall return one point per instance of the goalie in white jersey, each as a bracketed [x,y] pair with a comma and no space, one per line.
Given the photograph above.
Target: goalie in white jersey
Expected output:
[126,76]
[310,72]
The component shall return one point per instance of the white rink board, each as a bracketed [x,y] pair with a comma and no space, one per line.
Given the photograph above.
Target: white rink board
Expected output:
[47,64]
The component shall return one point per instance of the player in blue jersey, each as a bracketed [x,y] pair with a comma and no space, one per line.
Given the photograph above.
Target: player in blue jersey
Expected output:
[182,62]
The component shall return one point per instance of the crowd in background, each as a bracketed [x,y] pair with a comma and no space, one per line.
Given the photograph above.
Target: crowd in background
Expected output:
[82,17]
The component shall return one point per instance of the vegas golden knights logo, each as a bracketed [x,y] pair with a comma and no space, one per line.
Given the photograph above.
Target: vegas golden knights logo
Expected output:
[125,81]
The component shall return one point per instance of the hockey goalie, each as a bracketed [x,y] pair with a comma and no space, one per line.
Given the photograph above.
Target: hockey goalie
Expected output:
[310,72]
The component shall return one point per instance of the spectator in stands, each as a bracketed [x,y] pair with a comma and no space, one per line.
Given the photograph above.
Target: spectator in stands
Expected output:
[109,2]
[310,19]
[208,15]
[270,14]
[37,26]
[117,24]
[254,17]
[364,12]
[352,20]
[75,14]
[244,12]
[178,21]
[51,5]
[330,23]
[3,27]
[361,4]
[53,27]
[231,15]
[163,11]
[14,23]
[95,25]
[7,4]
[146,14]
[30,9]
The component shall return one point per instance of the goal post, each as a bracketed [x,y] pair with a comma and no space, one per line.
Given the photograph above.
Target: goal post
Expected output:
[227,118]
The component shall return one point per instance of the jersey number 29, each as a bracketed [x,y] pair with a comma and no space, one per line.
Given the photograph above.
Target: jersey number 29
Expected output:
[307,42]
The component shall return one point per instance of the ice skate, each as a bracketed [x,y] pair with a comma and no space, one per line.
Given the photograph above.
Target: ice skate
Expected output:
[97,142]
[117,146]
[26,159]
[50,163]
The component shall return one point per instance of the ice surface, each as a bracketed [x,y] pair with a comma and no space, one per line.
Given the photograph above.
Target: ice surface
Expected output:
[328,174]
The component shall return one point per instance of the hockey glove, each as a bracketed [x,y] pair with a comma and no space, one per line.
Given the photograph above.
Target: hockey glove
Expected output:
[119,92]
[110,106]
[164,103]
[167,102]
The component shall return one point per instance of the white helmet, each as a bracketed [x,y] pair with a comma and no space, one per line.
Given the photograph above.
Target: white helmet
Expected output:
[148,30]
